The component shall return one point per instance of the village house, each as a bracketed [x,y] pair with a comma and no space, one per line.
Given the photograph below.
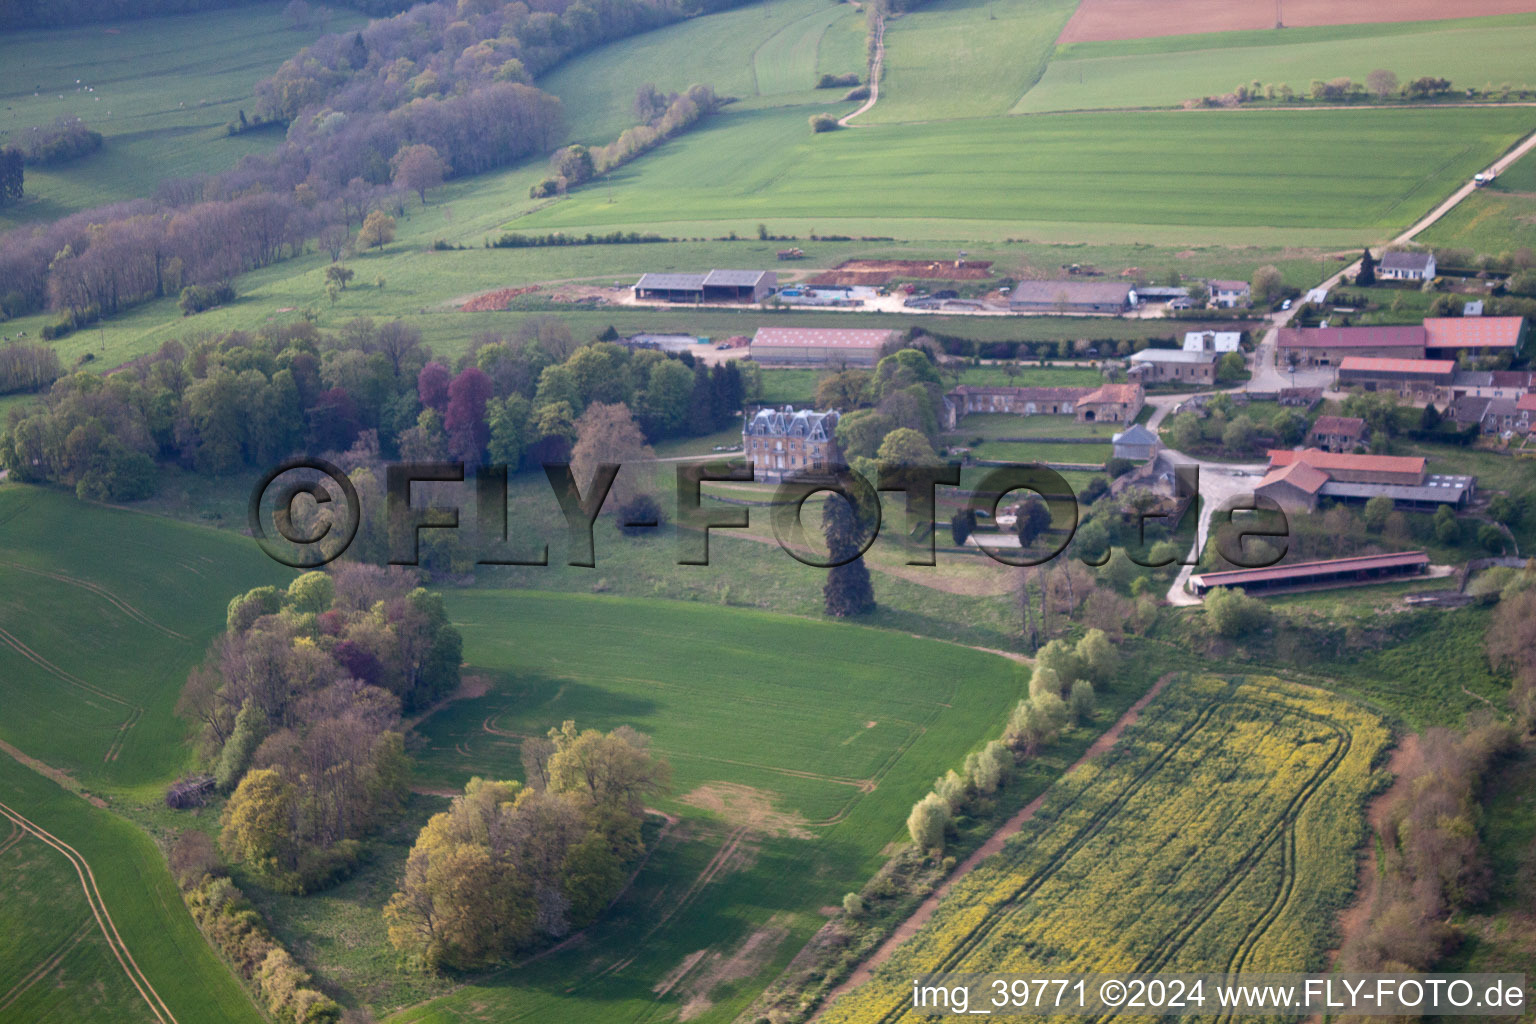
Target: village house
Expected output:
[783,442]
[1072,297]
[1337,433]
[1416,380]
[1112,403]
[1174,366]
[1230,294]
[1300,398]
[1494,415]
[820,346]
[1406,266]
[1492,383]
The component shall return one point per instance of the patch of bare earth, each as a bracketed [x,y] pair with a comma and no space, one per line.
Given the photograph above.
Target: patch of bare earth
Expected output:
[701,973]
[1144,19]
[746,807]
[58,775]
[1354,918]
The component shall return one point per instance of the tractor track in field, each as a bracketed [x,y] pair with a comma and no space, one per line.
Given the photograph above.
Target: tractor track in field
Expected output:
[1281,830]
[993,844]
[135,711]
[98,906]
[16,836]
[46,967]
[1196,917]
[100,591]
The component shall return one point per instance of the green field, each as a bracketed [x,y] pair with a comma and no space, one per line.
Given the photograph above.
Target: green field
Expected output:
[1491,221]
[54,963]
[766,53]
[1470,52]
[163,91]
[136,889]
[1218,835]
[1521,177]
[796,746]
[102,613]
[1338,173]
[965,58]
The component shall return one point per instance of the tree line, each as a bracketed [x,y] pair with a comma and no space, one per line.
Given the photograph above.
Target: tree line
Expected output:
[62,13]
[220,403]
[299,703]
[664,117]
[512,865]
[236,929]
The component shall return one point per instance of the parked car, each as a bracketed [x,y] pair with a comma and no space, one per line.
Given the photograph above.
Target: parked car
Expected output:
[1286,304]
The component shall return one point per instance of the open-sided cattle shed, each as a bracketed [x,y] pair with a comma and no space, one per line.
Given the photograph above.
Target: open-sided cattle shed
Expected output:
[1327,572]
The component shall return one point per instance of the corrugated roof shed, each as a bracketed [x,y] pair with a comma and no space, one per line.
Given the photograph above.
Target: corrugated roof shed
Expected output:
[1362,463]
[1323,567]
[1352,337]
[672,282]
[1500,332]
[821,337]
[1371,364]
[735,278]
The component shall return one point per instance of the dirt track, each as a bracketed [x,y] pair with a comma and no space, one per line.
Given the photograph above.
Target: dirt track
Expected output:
[1144,19]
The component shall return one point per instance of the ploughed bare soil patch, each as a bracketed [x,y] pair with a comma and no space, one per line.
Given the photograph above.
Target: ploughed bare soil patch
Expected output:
[749,808]
[1143,19]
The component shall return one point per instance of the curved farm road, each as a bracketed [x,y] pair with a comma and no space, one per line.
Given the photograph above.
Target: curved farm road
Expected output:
[874,77]
[98,907]
[994,843]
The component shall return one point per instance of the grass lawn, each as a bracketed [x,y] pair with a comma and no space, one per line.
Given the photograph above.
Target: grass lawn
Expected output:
[162,92]
[1043,451]
[1469,52]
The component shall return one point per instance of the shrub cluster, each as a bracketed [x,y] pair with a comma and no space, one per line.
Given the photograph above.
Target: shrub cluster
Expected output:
[66,139]
[236,929]
[197,297]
